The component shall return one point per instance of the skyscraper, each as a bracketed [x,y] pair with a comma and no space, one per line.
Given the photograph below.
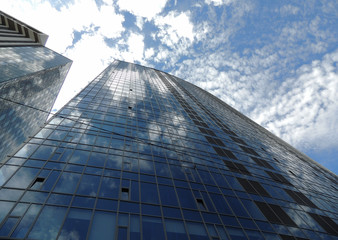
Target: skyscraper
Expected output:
[142,154]
[30,74]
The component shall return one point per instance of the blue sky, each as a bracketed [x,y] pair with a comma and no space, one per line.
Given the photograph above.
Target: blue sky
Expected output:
[274,61]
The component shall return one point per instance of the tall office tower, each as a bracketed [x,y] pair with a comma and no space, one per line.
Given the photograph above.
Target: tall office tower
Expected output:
[30,74]
[141,154]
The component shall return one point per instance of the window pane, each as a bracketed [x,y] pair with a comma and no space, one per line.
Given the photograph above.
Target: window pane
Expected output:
[103,226]
[5,207]
[168,195]
[197,231]
[109,187]
[149,193]
[8,226]
[50,218]
[134,227]
[175,229]
[76,224]
[26,222]
[5,172]
[43,152]
[186,198]
[67,182]
[22,178]
[97,159]
[89,185]
[79,157]
[26,151]
[152,228]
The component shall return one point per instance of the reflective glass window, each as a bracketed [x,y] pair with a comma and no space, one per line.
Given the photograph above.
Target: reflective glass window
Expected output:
[152,228]
[109,187]
[175,230]
[103,226]
[168,195]
[186,198]
[26,222]
[5,172]
[197,231]
[67,182]
[22,178]
[76,224]
[50,218]
[149,193]
[88,185]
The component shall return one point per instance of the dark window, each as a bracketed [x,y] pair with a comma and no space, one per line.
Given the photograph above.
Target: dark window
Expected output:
[278,178]
[236,167]
[130,107]
[226,131]
[125,193]
[238,140]
[253,187]
[215,141]
[262,162]
[327,223]
[287,237]
[206,131]
[300,198]
[38,182]
[224,153]
[200,204]
[249,150]
[275,214]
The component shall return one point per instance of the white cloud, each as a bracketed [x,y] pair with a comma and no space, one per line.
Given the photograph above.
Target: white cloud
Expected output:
[218,2]
[149,53]
[139,22]
[289,10]
[176,32]
[146,8]
[174,27]
[304,110]
[135,50]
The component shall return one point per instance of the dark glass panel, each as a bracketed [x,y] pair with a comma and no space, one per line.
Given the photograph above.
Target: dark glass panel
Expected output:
[149,193]
[168,195]
[152,228]
[175,230]
[8,226]
[196,231]
[220,203]
[186,198]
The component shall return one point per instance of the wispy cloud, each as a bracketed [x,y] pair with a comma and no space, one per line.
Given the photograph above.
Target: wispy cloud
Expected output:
[146,8]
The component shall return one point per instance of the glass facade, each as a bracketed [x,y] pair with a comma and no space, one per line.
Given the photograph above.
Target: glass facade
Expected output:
[141,154]
[29,76]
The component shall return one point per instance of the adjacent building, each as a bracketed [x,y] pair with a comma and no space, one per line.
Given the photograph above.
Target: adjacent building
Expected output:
[31,76]
[142,154]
